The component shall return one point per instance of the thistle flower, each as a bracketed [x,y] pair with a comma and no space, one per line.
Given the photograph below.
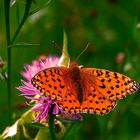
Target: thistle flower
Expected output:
[43,105]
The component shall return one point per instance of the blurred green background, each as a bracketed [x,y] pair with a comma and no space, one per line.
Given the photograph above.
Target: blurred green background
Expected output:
[112,27]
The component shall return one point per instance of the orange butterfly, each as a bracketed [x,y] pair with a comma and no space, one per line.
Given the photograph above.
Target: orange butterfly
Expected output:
[84,90]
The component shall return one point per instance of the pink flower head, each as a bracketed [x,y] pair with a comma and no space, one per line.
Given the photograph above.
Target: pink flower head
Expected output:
[43,105]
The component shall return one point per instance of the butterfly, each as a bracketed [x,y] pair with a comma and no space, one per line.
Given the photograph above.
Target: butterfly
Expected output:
[84,90]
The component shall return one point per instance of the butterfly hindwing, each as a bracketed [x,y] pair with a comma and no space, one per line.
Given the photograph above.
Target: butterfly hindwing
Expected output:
[70,104]
[96,103]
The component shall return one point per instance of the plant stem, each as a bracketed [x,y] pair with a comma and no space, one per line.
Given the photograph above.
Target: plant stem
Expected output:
[6,11]
[9,43]
[7,23]
[51,126]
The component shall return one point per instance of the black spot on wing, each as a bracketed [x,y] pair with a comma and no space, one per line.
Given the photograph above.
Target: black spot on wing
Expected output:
[102,86]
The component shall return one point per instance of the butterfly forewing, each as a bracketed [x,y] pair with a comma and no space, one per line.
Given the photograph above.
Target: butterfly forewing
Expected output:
[110,84]
[50,82]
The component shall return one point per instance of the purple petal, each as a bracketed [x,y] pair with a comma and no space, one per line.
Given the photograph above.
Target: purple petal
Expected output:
[26,90]
[56,110]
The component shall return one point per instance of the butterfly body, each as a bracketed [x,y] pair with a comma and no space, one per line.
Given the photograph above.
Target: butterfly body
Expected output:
[84,90]
[74,76]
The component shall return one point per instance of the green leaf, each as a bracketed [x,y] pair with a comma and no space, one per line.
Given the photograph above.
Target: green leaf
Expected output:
[65,120]
[28,5]
[39,8]
[23,44]
[38,125]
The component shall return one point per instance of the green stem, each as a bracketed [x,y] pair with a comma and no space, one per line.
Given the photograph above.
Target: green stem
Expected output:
[9,42]
[9,85]
[51,126]
[7,23]
[25,16]
[7,19]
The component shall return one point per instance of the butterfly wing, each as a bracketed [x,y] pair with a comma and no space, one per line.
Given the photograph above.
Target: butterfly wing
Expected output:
[50,82]
[96,103]
[70,104]
[110,84]
[102,89]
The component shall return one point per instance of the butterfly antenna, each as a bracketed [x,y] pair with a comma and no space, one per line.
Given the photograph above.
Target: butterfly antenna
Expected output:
[64,59]
[56,45]
[83,51]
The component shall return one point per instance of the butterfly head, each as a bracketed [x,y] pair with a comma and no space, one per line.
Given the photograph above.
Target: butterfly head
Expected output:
[74,64]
